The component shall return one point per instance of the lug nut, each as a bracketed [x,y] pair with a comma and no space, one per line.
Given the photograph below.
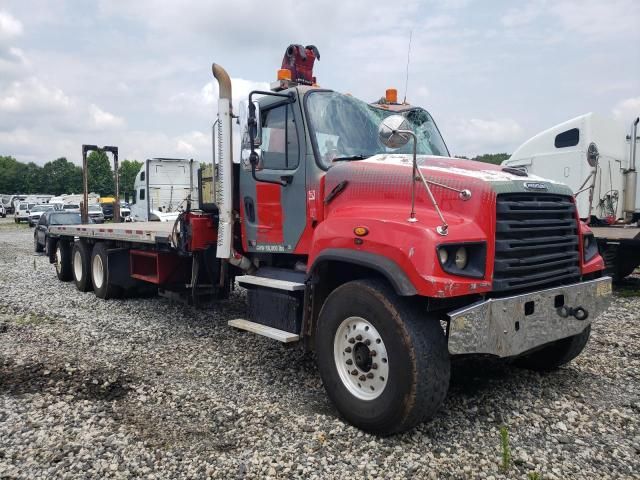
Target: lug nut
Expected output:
[362,378]
[374,366]
[354,372]
[369,375]
[347,350]
[349,362]
[359,337]
[373,353]
[351,340]
[367,342]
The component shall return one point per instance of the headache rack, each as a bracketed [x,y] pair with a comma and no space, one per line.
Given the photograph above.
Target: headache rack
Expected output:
[536,241]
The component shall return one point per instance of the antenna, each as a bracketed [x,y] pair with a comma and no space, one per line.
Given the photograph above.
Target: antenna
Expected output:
[406,82]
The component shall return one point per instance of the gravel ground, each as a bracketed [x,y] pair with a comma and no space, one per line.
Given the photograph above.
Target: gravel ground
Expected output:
[146,388]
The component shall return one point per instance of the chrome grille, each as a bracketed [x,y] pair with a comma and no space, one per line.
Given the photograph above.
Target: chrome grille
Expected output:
[536,241]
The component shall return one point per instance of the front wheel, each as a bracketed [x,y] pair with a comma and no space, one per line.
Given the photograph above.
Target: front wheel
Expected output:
[383,361]
[555,354]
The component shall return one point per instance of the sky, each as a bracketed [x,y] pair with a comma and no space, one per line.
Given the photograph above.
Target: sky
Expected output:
[137,73]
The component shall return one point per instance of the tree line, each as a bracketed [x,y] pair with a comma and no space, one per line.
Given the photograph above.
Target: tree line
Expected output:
[494,158]
[61,176]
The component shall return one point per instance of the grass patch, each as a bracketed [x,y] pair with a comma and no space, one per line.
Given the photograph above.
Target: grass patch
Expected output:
[627,292]
[9,225]
[29,319]
[505,449]
[534,476]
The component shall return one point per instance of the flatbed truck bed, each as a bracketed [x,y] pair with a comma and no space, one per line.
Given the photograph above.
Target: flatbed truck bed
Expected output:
[138,232]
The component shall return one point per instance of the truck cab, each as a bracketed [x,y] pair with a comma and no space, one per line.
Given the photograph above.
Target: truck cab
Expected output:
[302,139]
[162,188]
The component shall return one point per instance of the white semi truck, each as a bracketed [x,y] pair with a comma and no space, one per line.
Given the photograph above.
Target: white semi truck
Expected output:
[162,188]
[596,157]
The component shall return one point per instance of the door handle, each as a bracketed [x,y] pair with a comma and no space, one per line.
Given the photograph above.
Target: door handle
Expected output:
[249,209]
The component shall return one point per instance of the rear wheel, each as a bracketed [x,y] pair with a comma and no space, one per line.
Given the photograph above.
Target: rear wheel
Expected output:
[81,260]
[555,354]
[384,362]
[63,261]
[100,275]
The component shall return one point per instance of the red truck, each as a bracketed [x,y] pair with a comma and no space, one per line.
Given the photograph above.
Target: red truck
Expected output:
[358,236]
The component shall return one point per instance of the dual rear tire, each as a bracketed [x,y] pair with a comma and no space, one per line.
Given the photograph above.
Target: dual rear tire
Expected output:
[89,268]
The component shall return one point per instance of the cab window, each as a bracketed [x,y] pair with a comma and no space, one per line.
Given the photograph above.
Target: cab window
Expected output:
[279,139]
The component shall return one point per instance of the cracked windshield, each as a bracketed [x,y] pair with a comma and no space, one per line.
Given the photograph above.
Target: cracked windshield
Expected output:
[345,128]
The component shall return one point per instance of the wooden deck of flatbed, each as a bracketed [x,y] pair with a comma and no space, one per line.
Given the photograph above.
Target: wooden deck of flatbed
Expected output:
[140,232]
[617,232]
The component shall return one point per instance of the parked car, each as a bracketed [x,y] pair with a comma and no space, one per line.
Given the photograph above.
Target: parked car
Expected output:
[71,207]
[22,211]
[107,209]
[48,218]
[36,212]
[125,211]
[3,211]
[96,214]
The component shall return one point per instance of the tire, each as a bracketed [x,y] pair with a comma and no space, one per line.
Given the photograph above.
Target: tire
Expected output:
[555,354]
[63,266]
[81,266]
[36,245]
[100,276]
[414,380]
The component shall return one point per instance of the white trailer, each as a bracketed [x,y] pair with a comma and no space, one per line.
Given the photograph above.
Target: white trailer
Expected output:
[594,156]
[162,188]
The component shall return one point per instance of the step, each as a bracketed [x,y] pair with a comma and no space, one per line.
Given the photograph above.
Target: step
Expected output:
[265,331]
[276,278]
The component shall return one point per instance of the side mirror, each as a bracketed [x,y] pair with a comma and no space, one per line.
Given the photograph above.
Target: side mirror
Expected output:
[254,123]
[390,131]
[249,152]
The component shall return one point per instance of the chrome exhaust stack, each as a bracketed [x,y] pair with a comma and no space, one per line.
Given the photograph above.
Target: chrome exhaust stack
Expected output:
[631,176]
[224,173]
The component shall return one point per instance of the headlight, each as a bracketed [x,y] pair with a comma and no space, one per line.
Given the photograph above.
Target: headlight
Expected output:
[589,247]
[466,260]
[461,258]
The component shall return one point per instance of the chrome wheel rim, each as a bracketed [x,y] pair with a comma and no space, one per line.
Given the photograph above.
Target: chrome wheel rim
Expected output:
[361,359]
[77,265]
[97,271]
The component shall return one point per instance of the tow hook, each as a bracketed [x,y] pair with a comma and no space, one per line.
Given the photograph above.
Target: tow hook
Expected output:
[579,313]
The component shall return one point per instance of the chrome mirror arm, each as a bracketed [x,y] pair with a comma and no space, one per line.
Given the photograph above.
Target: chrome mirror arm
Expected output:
[441,229]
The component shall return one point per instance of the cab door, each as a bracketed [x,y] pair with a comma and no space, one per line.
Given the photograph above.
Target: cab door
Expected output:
[273,207]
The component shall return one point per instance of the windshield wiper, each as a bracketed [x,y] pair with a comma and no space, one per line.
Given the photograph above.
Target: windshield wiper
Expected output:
[349,158]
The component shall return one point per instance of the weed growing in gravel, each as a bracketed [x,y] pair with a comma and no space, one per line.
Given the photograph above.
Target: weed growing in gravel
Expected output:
[30,319]
[534,476]
[506,451]
[628,292]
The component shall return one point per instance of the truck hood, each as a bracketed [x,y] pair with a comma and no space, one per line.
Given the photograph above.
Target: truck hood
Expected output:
[380,187]
[455,172]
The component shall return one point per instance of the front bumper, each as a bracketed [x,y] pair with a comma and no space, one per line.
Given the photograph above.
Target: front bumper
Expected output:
[509,326]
